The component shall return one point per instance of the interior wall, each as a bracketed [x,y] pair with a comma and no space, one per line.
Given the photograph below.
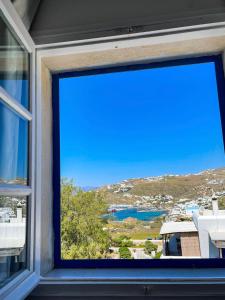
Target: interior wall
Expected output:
[60,21]
[124,52]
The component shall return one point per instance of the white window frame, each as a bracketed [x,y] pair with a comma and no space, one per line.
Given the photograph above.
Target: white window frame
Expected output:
[22,283]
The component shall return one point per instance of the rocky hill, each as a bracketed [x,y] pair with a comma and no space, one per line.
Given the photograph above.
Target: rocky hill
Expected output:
[164,191]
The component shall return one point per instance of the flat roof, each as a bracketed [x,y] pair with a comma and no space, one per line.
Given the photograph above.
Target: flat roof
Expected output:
[176,227]
[217,236]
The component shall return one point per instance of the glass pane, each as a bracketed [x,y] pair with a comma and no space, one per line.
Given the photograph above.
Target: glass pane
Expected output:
[14,66]
[13,147]
[142,161]
[13,216]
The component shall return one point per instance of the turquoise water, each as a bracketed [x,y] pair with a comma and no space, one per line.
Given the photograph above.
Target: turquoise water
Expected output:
[134,213]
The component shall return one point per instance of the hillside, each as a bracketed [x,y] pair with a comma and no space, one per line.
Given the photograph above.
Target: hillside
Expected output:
[164,191]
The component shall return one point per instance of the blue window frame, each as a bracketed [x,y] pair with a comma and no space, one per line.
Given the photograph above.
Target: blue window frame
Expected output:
[120,263]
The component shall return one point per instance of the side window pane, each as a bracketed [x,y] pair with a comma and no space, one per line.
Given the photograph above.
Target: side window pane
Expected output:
[14,64]
[13,217]
[13,147]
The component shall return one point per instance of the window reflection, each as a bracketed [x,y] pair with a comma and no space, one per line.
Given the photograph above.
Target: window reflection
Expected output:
[13,212]
[14,64]
[13,147]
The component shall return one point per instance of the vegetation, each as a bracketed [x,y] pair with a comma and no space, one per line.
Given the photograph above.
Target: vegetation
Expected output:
[149,247]
[221,203]
[6,201]
[86,235]
[158,255]
[125,253]
[122,241]
[141,231]
[82,228]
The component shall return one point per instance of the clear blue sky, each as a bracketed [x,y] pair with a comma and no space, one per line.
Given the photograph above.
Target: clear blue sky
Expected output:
[140,123]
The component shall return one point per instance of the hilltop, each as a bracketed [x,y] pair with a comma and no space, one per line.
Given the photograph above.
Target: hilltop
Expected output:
[164,191]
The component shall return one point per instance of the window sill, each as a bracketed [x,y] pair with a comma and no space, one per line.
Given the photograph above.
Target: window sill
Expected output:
[135,275]
[117,283]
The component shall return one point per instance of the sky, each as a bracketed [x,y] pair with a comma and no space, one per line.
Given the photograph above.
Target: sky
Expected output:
[141,123]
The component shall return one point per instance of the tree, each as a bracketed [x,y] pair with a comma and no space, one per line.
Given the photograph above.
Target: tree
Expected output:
[82,226]
[149,247]
[125,253]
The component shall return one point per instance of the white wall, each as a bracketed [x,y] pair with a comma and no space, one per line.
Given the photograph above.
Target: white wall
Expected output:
[207,224]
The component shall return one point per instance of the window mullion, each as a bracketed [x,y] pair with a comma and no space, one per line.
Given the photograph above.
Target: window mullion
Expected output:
[13,104]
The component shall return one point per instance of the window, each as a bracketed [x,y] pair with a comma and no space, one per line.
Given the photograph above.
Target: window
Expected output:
[139,165]
[15,179]
[14,66]
[14,157]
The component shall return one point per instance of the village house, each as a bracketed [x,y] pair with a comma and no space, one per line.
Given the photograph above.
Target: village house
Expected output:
[204,237]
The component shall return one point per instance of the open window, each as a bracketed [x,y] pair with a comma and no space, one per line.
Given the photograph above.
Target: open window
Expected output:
[109,119]
[139,163]
[16,153]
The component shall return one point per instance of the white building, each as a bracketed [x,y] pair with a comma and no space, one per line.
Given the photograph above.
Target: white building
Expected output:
[180,239]
[211,230]
[206,232]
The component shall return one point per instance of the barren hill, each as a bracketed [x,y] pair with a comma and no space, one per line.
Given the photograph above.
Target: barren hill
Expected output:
[164,191]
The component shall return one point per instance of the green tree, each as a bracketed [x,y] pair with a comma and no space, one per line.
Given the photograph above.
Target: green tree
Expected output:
[82,226]
[125,253]
[149,247]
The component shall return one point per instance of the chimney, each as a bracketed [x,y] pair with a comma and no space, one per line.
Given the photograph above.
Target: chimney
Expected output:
[215,204]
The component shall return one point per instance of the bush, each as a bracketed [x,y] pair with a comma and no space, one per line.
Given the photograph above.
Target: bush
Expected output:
[125,253]
[221,203]
[158,254]
[122,241]
[149,247]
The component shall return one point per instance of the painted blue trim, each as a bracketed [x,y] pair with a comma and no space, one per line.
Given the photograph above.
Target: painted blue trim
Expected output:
[120,263]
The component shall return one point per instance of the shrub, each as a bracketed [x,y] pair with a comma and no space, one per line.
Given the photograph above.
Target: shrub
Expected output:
[122,241]
[158,254]
[149,247]
[125,253]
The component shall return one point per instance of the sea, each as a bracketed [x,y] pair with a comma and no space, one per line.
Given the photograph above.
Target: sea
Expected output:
[134,213]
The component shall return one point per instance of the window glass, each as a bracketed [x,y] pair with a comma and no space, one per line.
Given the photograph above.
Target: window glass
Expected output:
[142,164]
[13,147]
[13,218]
[14,66]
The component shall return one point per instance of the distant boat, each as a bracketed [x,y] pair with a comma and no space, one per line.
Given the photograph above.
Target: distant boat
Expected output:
[112,210]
